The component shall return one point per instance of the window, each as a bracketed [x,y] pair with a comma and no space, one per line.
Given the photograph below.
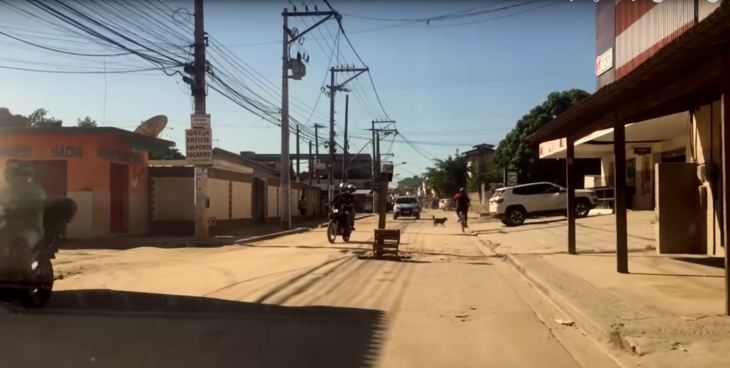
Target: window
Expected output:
[631,172]
[406,200]
[533,189]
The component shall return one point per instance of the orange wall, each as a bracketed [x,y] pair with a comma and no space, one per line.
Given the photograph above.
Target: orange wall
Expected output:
[86,170]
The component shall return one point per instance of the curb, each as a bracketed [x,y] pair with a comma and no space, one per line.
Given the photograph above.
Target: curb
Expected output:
[214,243]
[607,338]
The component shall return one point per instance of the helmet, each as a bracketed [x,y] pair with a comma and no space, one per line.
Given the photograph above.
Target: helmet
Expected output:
[343,187]
[351,188]
[462,190]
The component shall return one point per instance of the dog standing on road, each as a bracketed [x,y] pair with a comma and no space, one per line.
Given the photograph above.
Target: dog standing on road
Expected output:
[439,221]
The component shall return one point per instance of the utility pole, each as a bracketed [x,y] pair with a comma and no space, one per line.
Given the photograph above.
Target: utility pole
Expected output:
[316,148]
[376,160]
[199,91]
[299,70]
[311,164]
[297,153]
[345,145]
[333,88]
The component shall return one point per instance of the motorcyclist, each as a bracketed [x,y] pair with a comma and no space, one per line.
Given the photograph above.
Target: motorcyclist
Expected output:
[462,202]
[22,202]
[345,198]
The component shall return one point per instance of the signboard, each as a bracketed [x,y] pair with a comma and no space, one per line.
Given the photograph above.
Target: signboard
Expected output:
[320,166]
[200,121]
[604,62]
[510,178]
[639,151]
[376,187]
[199,146]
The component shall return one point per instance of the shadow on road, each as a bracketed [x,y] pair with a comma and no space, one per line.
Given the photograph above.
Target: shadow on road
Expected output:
[167,331]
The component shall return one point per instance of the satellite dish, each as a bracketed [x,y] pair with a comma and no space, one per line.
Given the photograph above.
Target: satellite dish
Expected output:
[153,126]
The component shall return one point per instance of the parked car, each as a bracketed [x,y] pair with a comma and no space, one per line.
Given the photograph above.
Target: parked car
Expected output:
[445,204]
[406,206]
[512,205]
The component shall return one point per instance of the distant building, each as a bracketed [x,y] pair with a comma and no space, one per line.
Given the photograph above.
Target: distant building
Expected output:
[481,158]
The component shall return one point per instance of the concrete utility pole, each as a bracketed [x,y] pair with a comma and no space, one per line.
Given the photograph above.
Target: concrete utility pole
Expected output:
[333,88]
[199,92]
[345,144]
[316,148]
[298,68]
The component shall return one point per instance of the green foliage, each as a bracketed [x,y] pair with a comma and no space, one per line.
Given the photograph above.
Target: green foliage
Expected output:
[8,120]
[475,181]
[40,119]
[410,182]
[86,122]
[447,176]
[514,153]
[168,154]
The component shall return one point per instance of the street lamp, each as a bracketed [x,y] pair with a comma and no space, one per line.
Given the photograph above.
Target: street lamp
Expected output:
[402,163]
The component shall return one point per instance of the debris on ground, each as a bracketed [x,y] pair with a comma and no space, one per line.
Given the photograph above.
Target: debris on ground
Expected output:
[564,322]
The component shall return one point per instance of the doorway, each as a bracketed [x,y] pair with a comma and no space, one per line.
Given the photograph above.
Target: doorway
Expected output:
[259,200]
[118,197]
[675,156]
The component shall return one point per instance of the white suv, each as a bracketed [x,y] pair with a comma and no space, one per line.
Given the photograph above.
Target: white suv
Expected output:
[513,205]
[406,206]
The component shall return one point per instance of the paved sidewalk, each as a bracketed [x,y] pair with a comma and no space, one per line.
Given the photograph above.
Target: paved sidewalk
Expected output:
[666,313]
[550,235]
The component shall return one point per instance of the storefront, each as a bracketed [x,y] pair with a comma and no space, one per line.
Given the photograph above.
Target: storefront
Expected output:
[103,169]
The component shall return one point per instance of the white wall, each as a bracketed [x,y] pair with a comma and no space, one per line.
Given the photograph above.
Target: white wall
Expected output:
[643,197]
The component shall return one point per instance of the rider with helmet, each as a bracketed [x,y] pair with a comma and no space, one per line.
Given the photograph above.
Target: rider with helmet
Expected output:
[346,197]
[462,202]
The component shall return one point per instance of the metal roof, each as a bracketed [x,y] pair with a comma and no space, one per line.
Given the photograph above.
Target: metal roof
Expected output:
[670,72]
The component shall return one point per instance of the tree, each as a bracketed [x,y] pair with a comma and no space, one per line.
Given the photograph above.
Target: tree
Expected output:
[410,182]
[169,154]
[8,120]
[86,122]
[447,176]
[39,119]
[514,153]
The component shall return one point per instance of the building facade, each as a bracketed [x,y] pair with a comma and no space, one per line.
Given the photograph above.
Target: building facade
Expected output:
[103,169]
[672,160]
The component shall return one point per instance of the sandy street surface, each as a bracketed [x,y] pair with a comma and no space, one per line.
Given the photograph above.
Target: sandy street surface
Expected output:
[295,301]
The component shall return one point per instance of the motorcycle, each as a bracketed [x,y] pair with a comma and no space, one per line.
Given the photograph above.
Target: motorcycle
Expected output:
[26,272]
[339,224]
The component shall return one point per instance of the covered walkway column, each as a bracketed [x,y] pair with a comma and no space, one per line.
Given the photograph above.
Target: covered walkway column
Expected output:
[725,80]
[619,153]
[570,184]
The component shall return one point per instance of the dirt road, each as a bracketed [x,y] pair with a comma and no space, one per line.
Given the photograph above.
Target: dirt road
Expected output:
[295,301]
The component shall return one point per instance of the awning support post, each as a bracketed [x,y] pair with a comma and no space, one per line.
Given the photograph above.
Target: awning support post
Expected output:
[619,154]
[725,122]
[570,184]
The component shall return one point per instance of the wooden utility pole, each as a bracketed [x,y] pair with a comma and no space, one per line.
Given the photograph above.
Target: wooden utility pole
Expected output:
[316,149]
[199,92]
[345,144]
[376,161]
[311,164]
[333,88]
[297,153]
[299,71]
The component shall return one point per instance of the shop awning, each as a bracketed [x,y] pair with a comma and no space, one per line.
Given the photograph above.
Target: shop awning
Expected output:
[681,76]
[600,143]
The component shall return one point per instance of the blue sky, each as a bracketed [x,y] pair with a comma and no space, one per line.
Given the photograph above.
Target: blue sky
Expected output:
[447,86]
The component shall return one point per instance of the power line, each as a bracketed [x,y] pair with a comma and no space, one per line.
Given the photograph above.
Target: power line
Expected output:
[78,72]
